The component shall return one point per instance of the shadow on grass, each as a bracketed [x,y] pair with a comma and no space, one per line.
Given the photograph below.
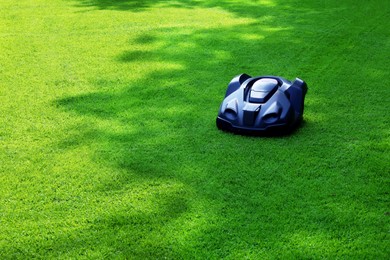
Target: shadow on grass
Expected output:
[140,5]
[216,195]
[123,5]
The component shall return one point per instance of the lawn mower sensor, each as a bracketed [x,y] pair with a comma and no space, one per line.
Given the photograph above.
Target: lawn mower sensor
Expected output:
[262,105]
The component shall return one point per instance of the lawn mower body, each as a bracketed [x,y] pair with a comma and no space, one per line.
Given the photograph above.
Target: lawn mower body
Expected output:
[262,105]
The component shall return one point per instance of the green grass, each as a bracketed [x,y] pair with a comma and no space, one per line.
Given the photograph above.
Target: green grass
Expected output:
[108,143]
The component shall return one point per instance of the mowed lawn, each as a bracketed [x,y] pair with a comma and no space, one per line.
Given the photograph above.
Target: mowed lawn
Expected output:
[108,143]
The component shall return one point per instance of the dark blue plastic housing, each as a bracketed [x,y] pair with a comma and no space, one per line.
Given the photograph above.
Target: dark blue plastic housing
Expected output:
[262,105]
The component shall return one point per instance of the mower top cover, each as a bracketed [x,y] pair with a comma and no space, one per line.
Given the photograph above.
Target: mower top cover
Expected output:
[262,105]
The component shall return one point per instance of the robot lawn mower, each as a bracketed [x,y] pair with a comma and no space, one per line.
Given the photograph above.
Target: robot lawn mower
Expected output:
[264,105]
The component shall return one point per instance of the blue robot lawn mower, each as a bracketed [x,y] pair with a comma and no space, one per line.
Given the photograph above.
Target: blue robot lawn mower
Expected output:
[264,105]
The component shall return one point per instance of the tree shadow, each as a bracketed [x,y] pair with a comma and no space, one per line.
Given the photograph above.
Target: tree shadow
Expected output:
[140,5]
[123,5]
